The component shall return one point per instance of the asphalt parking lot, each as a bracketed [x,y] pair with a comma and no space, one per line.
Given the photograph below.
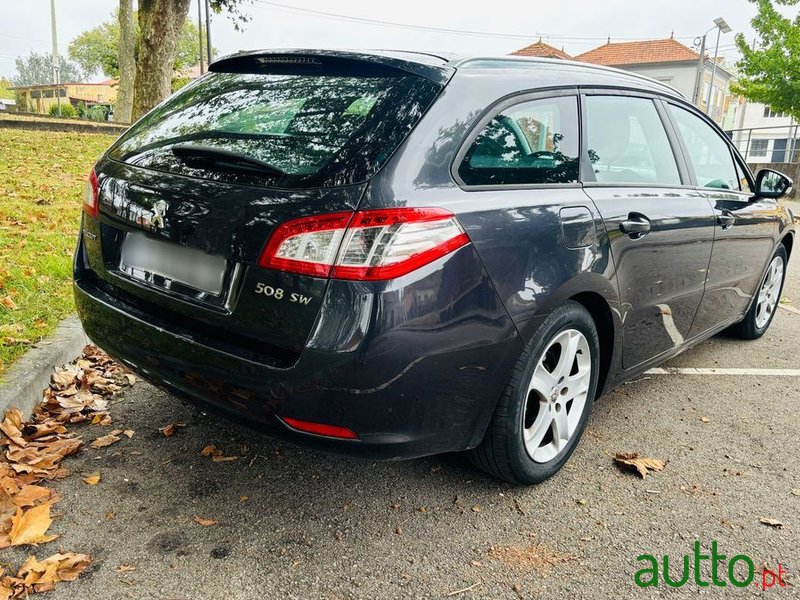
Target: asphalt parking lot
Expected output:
[292,523]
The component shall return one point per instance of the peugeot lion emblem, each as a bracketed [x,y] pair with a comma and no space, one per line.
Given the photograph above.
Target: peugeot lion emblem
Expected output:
[158,221]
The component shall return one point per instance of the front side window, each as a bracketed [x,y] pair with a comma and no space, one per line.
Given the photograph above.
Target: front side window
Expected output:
[708,151]
[533,142]
[627,142]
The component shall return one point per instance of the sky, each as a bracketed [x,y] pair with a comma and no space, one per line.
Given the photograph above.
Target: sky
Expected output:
[501,26]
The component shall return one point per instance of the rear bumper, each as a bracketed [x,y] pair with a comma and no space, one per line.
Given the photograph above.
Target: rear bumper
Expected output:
[408,384]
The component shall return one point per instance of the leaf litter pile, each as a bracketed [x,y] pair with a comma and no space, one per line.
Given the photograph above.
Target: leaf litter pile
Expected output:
[32,452]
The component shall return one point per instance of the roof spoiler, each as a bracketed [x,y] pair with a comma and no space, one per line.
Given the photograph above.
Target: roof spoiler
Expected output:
[328,62]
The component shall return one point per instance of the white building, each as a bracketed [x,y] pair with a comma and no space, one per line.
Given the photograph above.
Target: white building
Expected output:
[763,135]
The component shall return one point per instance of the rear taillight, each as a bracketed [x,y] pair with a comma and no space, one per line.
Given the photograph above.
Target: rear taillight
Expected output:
[368,245]
[90,195]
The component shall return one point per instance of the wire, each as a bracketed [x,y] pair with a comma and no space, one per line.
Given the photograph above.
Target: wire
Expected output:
[468,32]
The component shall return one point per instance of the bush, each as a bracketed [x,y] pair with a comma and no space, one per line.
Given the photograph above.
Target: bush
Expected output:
[95,113]
[67,110]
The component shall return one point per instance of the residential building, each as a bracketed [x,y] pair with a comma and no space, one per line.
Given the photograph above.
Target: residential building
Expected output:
[673,63]
[39,98]
[542,50]
[764,135]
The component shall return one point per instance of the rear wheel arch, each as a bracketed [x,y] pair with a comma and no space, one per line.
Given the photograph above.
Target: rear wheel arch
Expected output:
[603,318]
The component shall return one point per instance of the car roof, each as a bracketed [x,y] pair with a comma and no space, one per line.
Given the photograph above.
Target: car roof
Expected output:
[440,66]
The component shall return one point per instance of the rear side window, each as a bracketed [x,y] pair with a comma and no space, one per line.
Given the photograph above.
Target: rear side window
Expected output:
[311,129]
[627,142]
[708,151]
[530,143]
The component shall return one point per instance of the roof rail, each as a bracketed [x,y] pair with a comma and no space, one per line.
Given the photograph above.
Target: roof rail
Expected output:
[530,61]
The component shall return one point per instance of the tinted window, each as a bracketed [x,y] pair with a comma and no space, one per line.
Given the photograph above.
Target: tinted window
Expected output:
[628,143]
[343,127]
[708,151]
[529,143]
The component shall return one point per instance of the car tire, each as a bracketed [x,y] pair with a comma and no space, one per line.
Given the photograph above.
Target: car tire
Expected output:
[765,305]
[542,414]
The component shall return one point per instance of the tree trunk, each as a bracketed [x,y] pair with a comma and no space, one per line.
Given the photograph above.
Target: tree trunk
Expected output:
[127,62]
[160,23]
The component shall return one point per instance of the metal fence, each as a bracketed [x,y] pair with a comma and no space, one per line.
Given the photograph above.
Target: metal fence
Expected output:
[775,144]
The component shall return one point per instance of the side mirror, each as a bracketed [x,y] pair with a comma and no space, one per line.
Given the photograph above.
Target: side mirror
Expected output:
[771,184]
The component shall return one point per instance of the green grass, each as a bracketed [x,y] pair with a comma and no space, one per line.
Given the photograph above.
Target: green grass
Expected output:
[42,177]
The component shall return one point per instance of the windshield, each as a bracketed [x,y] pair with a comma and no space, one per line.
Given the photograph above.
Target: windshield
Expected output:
[303,125]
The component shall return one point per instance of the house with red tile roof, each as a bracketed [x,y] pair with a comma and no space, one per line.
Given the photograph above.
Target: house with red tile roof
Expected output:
[666,60]
[673,63]
[542,50]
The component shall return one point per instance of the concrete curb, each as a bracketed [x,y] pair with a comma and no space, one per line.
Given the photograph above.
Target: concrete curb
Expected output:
[23,384]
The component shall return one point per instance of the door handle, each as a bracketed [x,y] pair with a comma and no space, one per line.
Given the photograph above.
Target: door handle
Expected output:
[636,226]
[725,220]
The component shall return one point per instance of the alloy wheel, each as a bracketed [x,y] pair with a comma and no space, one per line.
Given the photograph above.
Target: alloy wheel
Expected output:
[769,293]
[557,395]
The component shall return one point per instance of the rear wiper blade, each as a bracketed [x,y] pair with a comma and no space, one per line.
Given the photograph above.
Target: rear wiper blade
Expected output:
[209,156]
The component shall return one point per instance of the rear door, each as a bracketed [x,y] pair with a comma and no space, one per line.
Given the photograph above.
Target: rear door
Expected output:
[189,196]
[659,229]
[744,228]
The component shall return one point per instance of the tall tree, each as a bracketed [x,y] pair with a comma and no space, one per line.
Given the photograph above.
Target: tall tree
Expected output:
[160,21]
[770,72]
[96,50]
[37,69]
[127,62]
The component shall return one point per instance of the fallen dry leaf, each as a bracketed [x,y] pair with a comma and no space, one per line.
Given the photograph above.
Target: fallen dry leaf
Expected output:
[41,576]
[216,454]
[125,569]
[169,430]
[705,419]
[29,527]
[105,440]
[204,522]
[12,426]
[31,495]
[771,522]
[796,492]
[642,465]
[8,303]
[129,433]
[92,479]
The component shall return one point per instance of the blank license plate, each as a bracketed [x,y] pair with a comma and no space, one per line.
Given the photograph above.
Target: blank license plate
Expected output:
[143,257]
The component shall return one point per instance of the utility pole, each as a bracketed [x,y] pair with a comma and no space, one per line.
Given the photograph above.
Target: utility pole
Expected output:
[208,35]
[56,63]
[701,67]
[200,29]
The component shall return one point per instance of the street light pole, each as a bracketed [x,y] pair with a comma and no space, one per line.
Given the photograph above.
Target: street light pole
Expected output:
[722,27]
[54,56]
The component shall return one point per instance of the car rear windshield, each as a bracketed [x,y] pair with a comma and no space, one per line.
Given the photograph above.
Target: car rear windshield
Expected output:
[287,130]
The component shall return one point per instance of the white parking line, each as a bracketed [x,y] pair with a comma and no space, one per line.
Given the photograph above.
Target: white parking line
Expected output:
[791,309]
[715,371]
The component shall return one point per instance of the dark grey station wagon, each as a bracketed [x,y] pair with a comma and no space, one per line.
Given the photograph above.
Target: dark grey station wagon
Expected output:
[399,254]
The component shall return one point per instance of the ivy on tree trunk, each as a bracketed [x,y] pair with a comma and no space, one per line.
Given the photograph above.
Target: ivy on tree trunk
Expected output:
[160,23]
